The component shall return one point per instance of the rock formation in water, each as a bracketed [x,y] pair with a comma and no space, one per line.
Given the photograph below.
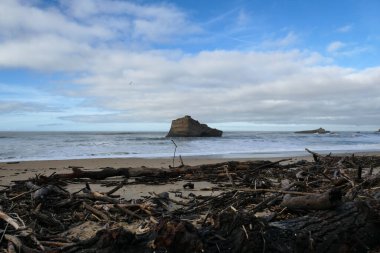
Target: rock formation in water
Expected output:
[188,127]
[315,131]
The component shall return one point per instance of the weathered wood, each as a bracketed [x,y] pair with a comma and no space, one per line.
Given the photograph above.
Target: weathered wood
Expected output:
[128,212]
[352,227]
[119,186]
[327,200]
[9,220]
[96,175]
[96,211]
[20,247]
[96,196]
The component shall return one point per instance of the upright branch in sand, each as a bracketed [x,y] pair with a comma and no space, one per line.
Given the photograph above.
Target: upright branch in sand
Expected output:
[175,149]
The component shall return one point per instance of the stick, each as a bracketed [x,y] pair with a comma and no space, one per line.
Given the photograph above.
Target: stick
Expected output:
[277,191]
[127,211]
[5,230]
[96,211]
[316,156]
[180,158]
[24,193]
[229,176]
[371,167]
[245,231]
[272,163]
[175,149]
[9,220]
[117,187]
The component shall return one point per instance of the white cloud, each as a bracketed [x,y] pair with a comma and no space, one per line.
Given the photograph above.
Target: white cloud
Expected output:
[153,23]
[344,29]
[22,21]
[22,107]
[219,86]
[282,86]
[335,46]
[243,18]
[338,48]
[288,40]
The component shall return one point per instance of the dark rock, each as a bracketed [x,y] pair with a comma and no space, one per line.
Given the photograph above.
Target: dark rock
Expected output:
[315,131]
[188,186]
[188,127]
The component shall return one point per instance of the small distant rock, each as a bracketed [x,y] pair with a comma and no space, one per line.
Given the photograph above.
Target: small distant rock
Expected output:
[188,127]
[315,131]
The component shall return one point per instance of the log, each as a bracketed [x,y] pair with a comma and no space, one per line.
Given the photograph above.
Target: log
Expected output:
[96,175]
[327,200]
[352,227]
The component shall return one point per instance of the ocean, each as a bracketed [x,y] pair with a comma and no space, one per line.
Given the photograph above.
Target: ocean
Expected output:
[26,146]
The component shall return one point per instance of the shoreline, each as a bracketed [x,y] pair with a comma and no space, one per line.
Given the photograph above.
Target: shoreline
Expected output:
[222,156]
[22,170]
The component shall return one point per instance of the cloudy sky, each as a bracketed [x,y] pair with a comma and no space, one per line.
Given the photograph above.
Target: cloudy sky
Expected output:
[235,64]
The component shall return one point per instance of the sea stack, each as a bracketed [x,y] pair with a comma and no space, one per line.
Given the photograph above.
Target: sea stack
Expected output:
[315,131]
[188,127]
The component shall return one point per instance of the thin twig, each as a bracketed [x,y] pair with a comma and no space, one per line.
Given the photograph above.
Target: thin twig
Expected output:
[175,149]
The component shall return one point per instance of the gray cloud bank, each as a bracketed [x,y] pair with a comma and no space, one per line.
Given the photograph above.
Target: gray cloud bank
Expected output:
[142,84]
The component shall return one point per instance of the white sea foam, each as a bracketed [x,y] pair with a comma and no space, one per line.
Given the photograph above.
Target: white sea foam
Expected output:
[17,146]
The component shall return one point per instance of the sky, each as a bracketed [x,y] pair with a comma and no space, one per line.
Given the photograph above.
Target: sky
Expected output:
[104,65]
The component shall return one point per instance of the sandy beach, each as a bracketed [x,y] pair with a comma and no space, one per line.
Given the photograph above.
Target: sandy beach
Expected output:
[145,191]
[23,170]
[10,171]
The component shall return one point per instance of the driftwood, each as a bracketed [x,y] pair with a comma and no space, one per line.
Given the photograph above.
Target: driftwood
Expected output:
[327,200]
[9,220]
[334,207]
[97,175]
[353,227]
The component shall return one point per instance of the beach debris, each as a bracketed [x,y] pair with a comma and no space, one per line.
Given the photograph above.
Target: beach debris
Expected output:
[188,127]
[188,185]
[330,204]
[101,174]
[328,200]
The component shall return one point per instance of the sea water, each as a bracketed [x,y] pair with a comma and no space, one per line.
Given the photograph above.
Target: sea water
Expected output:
[21,146]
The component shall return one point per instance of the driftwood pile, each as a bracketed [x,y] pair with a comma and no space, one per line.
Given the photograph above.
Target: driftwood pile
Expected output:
[329,205]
